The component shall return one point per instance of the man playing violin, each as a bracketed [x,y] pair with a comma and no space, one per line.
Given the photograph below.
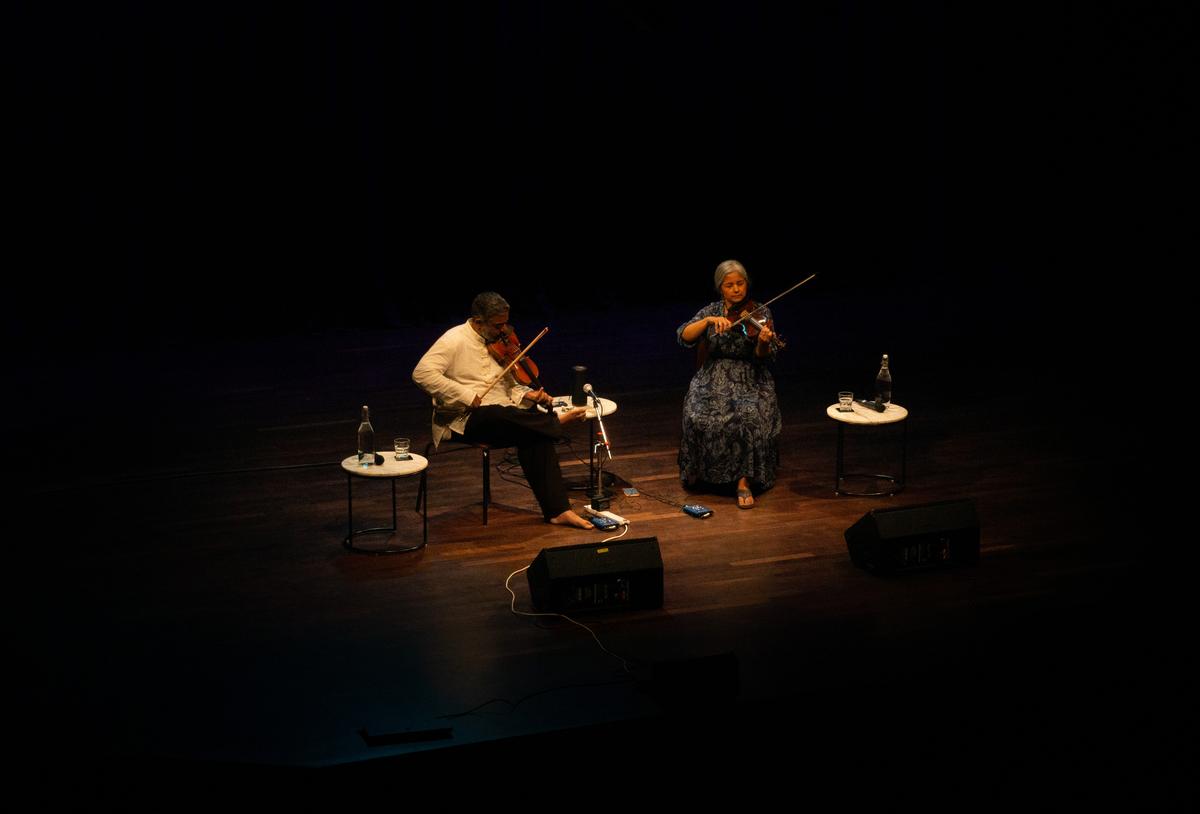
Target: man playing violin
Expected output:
[471,405]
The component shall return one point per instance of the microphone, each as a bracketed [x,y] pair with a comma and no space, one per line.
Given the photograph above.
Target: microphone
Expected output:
[587,388]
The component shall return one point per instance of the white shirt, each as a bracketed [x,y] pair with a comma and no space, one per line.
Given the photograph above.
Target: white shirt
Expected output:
[456,369]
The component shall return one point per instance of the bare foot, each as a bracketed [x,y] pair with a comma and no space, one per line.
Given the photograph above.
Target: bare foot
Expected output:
[745,498]
[569,518]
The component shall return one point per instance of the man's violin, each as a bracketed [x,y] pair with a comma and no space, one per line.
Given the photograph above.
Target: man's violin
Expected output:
[509,348]
[507,351]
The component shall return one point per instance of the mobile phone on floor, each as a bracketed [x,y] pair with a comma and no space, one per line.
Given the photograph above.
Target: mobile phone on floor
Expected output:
[603,523]
[630,491]
[696,510]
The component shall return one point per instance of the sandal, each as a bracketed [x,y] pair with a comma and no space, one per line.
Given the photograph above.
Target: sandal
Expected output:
[745,500]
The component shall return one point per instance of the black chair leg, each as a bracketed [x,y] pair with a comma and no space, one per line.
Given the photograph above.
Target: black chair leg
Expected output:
[485,461]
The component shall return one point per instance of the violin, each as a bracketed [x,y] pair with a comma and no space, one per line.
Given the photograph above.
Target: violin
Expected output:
[507,352]
[744,312]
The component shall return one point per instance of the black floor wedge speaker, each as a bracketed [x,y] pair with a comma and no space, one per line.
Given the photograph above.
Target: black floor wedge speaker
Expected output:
[906,538]
[621,575]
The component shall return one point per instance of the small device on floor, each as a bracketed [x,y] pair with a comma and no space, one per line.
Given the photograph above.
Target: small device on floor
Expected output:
[630,491]
[613,516]
[603,523]
[696,510]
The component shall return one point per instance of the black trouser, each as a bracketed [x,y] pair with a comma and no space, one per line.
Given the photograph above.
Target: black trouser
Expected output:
[534,434]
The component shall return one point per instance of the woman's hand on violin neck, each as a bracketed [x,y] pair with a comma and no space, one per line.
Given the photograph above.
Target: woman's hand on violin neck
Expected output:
[719,324]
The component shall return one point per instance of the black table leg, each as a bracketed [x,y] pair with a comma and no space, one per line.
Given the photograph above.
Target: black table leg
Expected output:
[897,482]
[351,534]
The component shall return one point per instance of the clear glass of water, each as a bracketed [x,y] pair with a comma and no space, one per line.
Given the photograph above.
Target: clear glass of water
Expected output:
[401,445]
[845,401]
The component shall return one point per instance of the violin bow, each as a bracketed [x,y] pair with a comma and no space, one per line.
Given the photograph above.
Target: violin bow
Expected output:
[750,314]
[513,363]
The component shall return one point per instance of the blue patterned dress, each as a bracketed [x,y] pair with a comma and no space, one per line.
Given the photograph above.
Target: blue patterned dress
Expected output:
[731,419]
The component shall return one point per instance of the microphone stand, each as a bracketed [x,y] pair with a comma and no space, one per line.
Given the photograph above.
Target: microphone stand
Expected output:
[598,492]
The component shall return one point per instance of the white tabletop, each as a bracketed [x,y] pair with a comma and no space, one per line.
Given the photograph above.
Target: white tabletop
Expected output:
[865,415]
[607,405]
[391,468]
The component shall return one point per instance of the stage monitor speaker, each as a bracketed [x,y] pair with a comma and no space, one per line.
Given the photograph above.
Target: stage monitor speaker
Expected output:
[621,575]
[906,538]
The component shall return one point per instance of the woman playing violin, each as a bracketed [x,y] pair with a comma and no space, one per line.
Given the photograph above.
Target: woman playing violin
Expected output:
[731,420]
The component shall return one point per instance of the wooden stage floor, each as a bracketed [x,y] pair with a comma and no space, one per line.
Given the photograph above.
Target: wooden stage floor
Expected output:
[190,604]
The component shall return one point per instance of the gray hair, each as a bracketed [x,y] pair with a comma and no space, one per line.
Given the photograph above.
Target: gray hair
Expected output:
[725,269]
[487,305]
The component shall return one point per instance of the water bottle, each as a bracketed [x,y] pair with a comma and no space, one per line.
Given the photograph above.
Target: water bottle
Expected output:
[883,382]
[366,439]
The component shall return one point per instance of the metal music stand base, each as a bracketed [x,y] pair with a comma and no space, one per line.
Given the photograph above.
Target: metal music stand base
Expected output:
[606,479]
[588,485]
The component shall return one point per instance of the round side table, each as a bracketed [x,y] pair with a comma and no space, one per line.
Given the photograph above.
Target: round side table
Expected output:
[866,417]
[391,470]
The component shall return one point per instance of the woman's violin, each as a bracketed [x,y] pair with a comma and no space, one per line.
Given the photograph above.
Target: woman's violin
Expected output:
[747,309]
[744,313]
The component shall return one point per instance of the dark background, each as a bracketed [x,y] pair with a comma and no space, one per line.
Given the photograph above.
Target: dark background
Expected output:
[986,194]
[216,172]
